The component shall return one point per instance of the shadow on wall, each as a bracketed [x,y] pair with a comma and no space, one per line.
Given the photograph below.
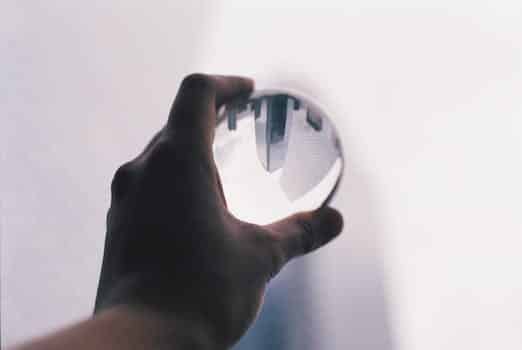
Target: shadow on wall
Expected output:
[360,302]
[285,320]
[335,298]
[356,314]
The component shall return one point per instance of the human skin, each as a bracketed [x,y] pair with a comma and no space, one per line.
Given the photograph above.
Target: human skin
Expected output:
[179,270]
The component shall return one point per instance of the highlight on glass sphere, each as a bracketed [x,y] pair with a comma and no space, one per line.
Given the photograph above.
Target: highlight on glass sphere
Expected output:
[277,153]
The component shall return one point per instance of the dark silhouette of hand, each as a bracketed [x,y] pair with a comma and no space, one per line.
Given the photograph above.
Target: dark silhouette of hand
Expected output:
[173,250]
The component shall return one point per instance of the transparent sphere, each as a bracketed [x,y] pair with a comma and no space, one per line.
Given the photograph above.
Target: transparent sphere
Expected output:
[277,153]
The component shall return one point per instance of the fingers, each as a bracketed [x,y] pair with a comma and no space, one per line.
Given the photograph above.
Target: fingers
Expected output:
[193,113]
[228,87]
[305,232]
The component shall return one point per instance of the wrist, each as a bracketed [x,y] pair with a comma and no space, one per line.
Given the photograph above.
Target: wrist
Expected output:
[157,331]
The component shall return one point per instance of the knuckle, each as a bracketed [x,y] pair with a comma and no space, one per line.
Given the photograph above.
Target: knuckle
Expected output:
[122,180]
[160,162]
[175,159]
[196,81]
[161,154]
[307,238]
[168,162]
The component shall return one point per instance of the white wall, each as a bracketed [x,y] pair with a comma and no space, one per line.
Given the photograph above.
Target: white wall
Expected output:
[88,83]
[427,97]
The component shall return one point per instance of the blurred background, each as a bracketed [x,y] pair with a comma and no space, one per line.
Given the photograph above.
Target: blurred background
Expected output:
[427,96]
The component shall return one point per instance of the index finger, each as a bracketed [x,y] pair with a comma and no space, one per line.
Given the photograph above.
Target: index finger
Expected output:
[193,113]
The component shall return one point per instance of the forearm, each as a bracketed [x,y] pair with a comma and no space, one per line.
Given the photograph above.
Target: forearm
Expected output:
[122,328]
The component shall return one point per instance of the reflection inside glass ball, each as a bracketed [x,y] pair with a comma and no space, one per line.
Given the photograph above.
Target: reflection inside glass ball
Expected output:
[276,154]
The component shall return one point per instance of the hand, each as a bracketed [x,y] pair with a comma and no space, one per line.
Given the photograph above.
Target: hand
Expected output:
[173,250]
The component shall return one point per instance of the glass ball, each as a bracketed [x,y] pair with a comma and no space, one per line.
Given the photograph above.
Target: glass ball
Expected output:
[277,153]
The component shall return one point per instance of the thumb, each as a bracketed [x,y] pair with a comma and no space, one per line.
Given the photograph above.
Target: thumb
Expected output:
[305,232]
